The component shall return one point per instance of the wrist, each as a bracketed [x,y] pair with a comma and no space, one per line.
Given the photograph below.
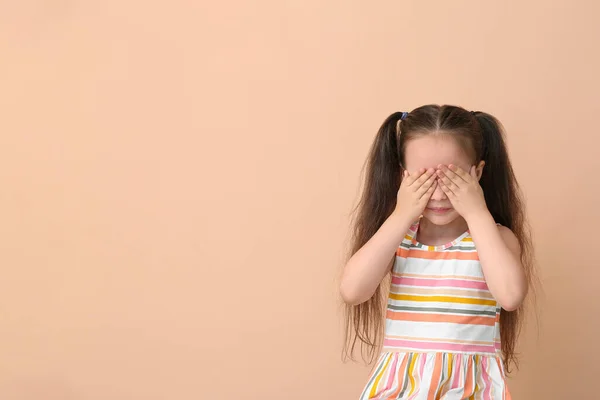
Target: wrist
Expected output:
[401,218]
[401,221]
[479,215]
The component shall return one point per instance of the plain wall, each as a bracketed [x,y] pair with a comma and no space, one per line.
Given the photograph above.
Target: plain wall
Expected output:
[176,180]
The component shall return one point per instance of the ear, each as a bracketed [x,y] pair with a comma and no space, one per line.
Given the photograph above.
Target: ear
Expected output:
[478,170]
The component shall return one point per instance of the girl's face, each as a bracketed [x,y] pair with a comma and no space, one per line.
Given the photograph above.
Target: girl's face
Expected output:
[429,151]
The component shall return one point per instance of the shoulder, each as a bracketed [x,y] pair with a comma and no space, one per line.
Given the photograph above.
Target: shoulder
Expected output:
[509,239]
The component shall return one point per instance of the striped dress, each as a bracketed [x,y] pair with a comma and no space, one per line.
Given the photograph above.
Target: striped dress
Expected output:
[442,334]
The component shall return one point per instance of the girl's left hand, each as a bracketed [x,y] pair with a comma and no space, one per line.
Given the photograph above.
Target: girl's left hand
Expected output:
[463,189]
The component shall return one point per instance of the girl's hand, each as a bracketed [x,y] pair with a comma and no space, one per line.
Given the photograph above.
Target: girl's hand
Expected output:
[463,190]
[414,193]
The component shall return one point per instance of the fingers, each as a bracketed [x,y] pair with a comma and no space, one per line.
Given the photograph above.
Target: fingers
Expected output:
[444,171]
[409,178]
[427,194]
[449,193]
[457,172]
[426,176]
[427,185]
[452,177]
[447,181]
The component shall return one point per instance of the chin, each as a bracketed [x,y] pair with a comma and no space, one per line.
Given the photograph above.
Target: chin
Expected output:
[440,219]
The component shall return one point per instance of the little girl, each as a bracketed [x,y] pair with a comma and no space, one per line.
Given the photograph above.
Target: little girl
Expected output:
[442,215]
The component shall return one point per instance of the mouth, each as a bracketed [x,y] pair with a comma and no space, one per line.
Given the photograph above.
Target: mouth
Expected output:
[439,210]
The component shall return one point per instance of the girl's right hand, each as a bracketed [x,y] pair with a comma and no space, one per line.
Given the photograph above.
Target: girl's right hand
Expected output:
[414,193]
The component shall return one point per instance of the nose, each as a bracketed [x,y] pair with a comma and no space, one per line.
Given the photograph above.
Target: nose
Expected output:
[438,194]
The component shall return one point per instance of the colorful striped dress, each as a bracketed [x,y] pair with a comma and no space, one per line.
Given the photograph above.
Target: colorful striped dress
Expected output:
[442,333]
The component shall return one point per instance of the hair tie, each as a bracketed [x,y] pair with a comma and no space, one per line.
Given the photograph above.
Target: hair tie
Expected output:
[404,115]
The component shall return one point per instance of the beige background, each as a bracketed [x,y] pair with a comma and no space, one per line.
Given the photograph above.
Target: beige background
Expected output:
[176,179]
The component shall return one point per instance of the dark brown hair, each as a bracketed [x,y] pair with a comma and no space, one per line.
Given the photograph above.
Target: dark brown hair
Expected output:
[481,136]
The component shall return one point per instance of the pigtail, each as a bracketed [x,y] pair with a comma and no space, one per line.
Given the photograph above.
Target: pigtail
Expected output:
[497,180]
[505,202]
[364,322]
[382,179]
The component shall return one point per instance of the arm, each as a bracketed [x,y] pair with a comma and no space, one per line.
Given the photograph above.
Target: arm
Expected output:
[498,248]
[499,254]
[368,266]
[366,269]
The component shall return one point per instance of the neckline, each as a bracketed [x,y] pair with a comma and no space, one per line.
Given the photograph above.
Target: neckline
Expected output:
[415,228]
